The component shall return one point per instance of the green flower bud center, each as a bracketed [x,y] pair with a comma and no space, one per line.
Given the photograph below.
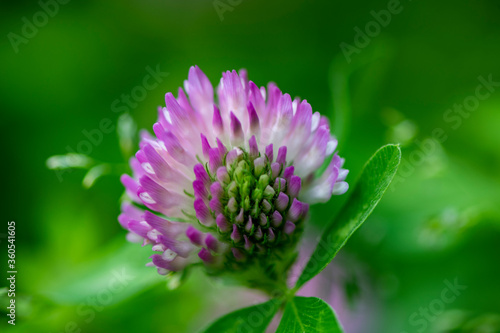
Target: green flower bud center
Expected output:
[256,225]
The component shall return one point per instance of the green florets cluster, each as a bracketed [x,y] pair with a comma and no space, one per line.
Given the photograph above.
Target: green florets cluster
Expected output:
[256,220]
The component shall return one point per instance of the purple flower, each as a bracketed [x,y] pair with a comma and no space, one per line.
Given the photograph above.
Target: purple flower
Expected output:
[229,183]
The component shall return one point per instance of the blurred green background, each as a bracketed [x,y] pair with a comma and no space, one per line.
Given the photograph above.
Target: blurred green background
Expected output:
[440,221]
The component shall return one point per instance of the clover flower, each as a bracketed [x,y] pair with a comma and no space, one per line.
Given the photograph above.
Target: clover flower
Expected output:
[228,184]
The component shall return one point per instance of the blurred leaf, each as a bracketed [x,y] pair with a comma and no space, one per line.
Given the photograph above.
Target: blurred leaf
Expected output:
[308,315]
[339,78]
[95,173]
[374,181]
[70,160]
[113,276]
[340,75]
[127,133]
[253,319]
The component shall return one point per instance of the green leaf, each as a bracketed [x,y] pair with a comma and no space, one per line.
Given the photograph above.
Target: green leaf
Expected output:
[253,319]
[308,314]
[374,181]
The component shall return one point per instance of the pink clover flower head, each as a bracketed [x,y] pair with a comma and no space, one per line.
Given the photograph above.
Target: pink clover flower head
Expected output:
[228,182]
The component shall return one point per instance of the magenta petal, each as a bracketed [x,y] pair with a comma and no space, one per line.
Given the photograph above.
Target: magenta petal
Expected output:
[275,169]
[305,209]
[279,184]
[221,146]
[205,255]
[215,205]
[183,101]
[215,160]
[254,149]
[199,89]
[285,109]
[222,223]
[132,211]
[174,265]
[288,172]
[274,96]
[294,186]
[131,186]
[201,174]
[281,155]
[269,152]
[139,227]
[200,191]
[205,146]
[236,130]
[194,235]
[156,197]
[212,242]
[163,226]
[176,150]
[232,156]
[176,112]
[223,175]
[216,189]
[276,219]
[235,235]
[160,167]
[182,248]
[289,228]
[253,118]
[256,97]
[217,122]
[302,120]
[295,211]
[202,212]
[282,202]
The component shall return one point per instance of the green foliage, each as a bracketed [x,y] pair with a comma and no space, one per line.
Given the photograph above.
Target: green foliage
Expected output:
[126,131]
[65,79]
[253,319]
[119,273]
[374,181]
[308,315]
